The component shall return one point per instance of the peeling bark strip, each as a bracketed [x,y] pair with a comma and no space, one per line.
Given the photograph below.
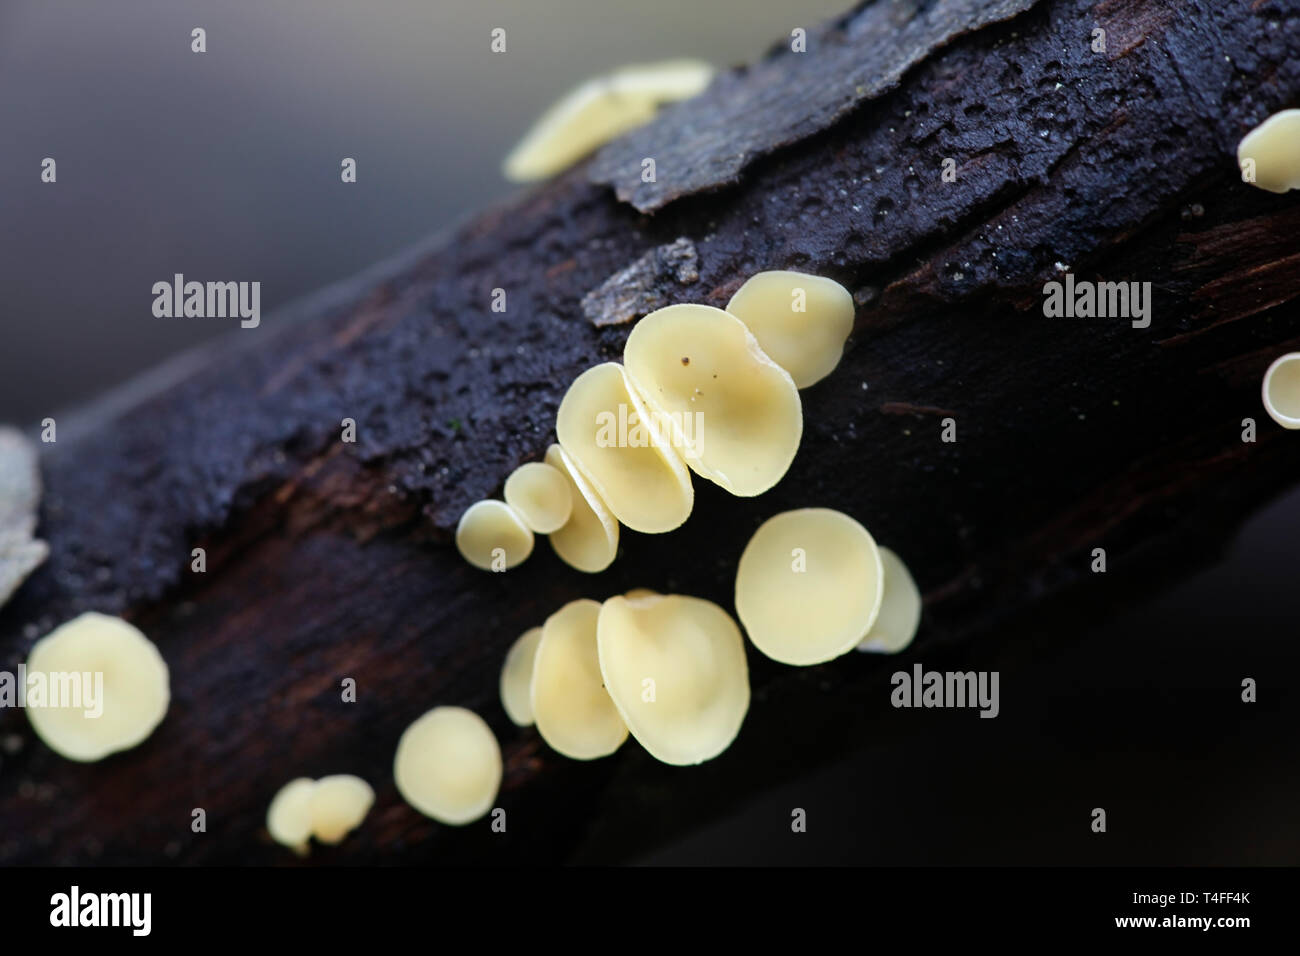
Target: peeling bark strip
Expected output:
[330,560]
[657,279]
[756,110]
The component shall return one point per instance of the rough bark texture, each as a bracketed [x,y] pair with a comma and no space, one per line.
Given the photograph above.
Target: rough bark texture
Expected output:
[328,560]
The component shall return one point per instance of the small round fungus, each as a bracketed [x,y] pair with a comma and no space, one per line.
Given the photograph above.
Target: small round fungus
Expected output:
[809,585]
[448,765]
[1274,148]
[338,805]
[589,539]
[675,667]
[492,536]
[623,452]
[900,609]
[800,320]
[574,712]
[105,687]
[289,818]
[517,678]
[600,110]
[1282,390]
[733,413]
[540,496]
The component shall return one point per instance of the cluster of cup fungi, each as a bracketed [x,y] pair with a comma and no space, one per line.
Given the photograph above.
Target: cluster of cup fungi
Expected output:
[667,669]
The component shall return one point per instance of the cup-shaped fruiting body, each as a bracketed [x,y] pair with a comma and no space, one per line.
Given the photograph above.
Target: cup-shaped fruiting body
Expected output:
[623,452]
[675,668]
[900,608]
[289,818]
[448,765]
[733,413]
[103,687]
[574,712]
[339,803]
[1282,390]
[599,110]
[809,585]
[801,321]
[589,539]
[539,494]
[492,537]
[517,678]
[1273,148]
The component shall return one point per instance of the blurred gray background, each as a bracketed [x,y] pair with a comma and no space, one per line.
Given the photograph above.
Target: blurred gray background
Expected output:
[225,165]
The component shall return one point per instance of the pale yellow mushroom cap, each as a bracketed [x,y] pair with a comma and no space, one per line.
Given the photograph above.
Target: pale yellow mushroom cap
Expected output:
[289,818]
[1282,390]
[900,609]
[574,712]
[809,585]
[338,805]
[517,678]
[448,765]
[637,593]
[539,494]
[1274,145]
[599,110]
[675,667]
[96,664]
[492,537]
[589,539]
[622,451]
[735,414]
[801,321]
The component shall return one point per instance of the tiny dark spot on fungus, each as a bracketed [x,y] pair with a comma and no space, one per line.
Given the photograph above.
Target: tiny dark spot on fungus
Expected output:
[685,360]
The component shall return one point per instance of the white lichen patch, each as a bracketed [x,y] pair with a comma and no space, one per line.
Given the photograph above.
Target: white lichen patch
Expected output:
[20,498]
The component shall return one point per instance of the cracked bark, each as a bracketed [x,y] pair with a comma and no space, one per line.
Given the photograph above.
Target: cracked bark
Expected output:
[328,561]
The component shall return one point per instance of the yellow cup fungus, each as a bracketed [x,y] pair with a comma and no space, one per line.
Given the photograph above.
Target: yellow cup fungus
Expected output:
[539,494]
[900,608]
[289,818]
[328,809]
[622,451]
[574,712]
[801,321]
[517,678]
[448,765]
[1273,150]
[492,536]
[809,585]
[1282,390]
[600,110]
[675,668]
[734,414]
[588,541]
[103,687]
[339,803]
